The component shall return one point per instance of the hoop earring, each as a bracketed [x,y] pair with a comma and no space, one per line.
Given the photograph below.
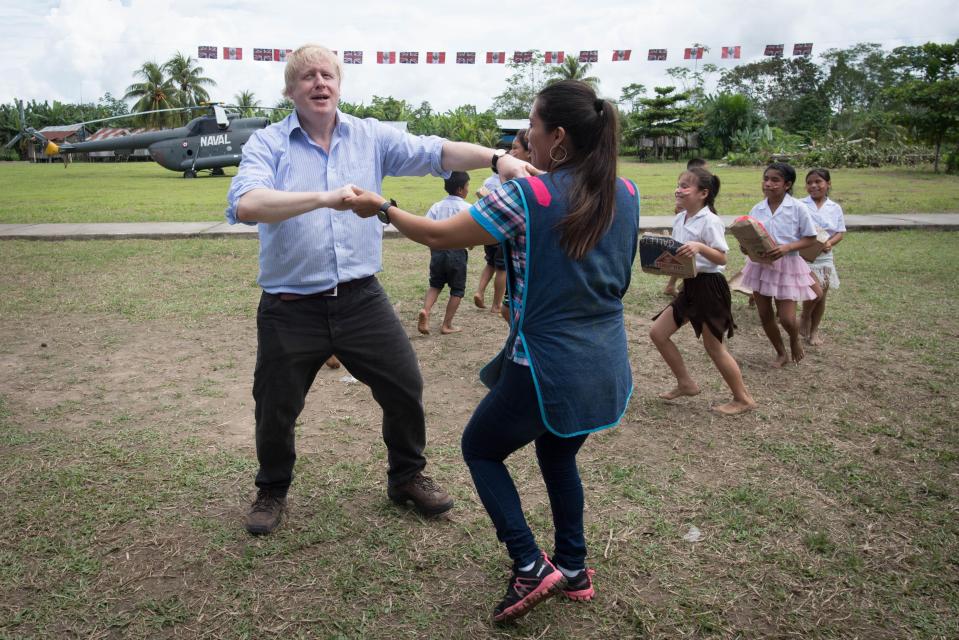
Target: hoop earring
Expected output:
[558,160]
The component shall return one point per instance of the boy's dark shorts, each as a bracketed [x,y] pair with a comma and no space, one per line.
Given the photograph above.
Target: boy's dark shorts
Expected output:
[494,256]
[448,267]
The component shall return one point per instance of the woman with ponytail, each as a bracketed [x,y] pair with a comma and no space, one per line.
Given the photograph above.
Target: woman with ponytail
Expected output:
[704,300]
[570,236]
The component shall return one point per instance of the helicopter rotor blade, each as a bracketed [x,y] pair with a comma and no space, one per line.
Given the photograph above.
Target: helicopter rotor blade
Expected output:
[14,140]
[139,113]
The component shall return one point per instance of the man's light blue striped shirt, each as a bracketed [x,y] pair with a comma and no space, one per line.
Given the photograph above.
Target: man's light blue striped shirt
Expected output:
[316,250]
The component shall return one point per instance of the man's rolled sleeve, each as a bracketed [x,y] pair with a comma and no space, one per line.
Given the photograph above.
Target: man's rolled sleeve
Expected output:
[408,155]
[256,172]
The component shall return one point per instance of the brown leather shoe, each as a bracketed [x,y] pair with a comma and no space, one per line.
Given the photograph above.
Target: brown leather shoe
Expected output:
[428,497]
[265,513]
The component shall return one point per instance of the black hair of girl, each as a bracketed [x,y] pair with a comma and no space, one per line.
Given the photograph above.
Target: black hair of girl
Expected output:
[523,139]
[592,131]
[822,173]
[786,171]
[706,181]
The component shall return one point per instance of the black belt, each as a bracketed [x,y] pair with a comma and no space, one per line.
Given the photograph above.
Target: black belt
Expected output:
[338,290]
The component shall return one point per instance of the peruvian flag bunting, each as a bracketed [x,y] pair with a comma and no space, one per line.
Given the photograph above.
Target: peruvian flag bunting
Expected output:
[435,57]
[656,54]
[232,53]
[385,57]
[409,57]
[774,50]
[732,52]
[621,55]
[352,57]
[495,57]
[279,55]
[554,57]
[467,57]
[802,49]
[591,55]
[207,52]
[693,53]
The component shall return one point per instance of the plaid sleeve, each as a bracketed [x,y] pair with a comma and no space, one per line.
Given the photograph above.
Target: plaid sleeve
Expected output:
[502,213]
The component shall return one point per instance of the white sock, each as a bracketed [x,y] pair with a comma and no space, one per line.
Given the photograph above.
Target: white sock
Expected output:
[527,567]
[568,573]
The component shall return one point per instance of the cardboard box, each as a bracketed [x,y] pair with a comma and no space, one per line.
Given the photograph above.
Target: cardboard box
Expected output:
[657,255]
[752,237]
[812,252]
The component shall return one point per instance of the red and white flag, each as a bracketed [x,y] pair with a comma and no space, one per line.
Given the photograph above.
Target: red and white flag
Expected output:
[591,55]
[466,57]
[206,52]
[802,49]
[621,55]
[385,57]
[232,53]
[732,52]
[693,53]
[495,57]
[409,57]
[435,57]
[279,55]
[554,57]
[263,55]
[773,50]
[656,54]
[352,57]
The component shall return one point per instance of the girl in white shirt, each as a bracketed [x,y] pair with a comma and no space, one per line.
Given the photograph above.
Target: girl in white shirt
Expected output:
[786,277]
[705,299]
[828,215]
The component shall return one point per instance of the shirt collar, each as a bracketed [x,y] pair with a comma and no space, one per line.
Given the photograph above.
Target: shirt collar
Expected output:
[699,214]
[343,123]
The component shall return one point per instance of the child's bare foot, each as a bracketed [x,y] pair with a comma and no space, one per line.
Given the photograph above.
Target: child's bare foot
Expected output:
[815,339]
[423,322]
[735,407]
[781,361]
[679,391]
[669,291]
[795,346]
[495,309]
[752,300]
[478,301]
[445,330]
[332,362]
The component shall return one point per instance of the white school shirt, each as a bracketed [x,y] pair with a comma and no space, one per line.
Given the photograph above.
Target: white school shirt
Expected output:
[789,223]
[492,183]
[829,217]
[705,227]
[447,208]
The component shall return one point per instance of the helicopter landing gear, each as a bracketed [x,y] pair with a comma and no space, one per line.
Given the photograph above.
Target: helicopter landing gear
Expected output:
[189,173]
[217,171]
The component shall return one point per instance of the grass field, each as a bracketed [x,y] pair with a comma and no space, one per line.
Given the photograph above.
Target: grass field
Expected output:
[125,445]
[145,192]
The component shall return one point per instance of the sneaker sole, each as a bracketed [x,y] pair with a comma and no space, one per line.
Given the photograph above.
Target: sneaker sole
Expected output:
[541,593]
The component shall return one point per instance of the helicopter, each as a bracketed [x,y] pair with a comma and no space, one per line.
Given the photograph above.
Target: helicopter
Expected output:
[208,142]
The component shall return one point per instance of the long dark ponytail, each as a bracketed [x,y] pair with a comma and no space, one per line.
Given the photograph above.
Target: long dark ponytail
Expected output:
[592,128]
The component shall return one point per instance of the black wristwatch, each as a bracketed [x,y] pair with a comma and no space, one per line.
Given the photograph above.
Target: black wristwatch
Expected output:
[499,153]
[384,213]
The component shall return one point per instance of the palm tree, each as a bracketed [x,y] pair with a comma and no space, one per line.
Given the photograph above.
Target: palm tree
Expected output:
[247,103]
[573,69]
[156,91]
[188,81]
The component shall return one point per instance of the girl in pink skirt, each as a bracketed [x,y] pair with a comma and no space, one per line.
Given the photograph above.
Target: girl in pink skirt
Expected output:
[784,276]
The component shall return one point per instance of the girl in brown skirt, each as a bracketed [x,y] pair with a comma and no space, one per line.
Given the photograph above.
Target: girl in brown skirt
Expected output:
[704,300]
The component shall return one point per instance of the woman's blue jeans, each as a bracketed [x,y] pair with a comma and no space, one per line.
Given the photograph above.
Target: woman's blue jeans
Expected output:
[506,420]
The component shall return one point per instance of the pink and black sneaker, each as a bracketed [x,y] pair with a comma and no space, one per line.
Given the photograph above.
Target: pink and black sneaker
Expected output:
[580,586]
[527,589]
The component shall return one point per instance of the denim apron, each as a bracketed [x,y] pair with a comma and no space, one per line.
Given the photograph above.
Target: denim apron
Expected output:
[570,324]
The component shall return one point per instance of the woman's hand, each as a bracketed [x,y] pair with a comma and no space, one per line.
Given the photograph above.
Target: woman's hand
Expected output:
[365,204]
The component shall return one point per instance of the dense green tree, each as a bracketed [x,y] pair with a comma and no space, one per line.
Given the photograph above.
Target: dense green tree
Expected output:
[630,95]
[154,91]
[724,115]
[929,92]
[525,81]
[667,114]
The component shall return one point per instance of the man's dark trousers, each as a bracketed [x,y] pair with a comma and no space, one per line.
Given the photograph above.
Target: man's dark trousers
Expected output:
[295,338]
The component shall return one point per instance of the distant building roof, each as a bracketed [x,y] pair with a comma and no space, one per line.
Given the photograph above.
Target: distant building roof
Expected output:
[60,133]
[512,125]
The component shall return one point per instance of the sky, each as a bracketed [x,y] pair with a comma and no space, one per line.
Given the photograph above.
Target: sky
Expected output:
[78,50]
